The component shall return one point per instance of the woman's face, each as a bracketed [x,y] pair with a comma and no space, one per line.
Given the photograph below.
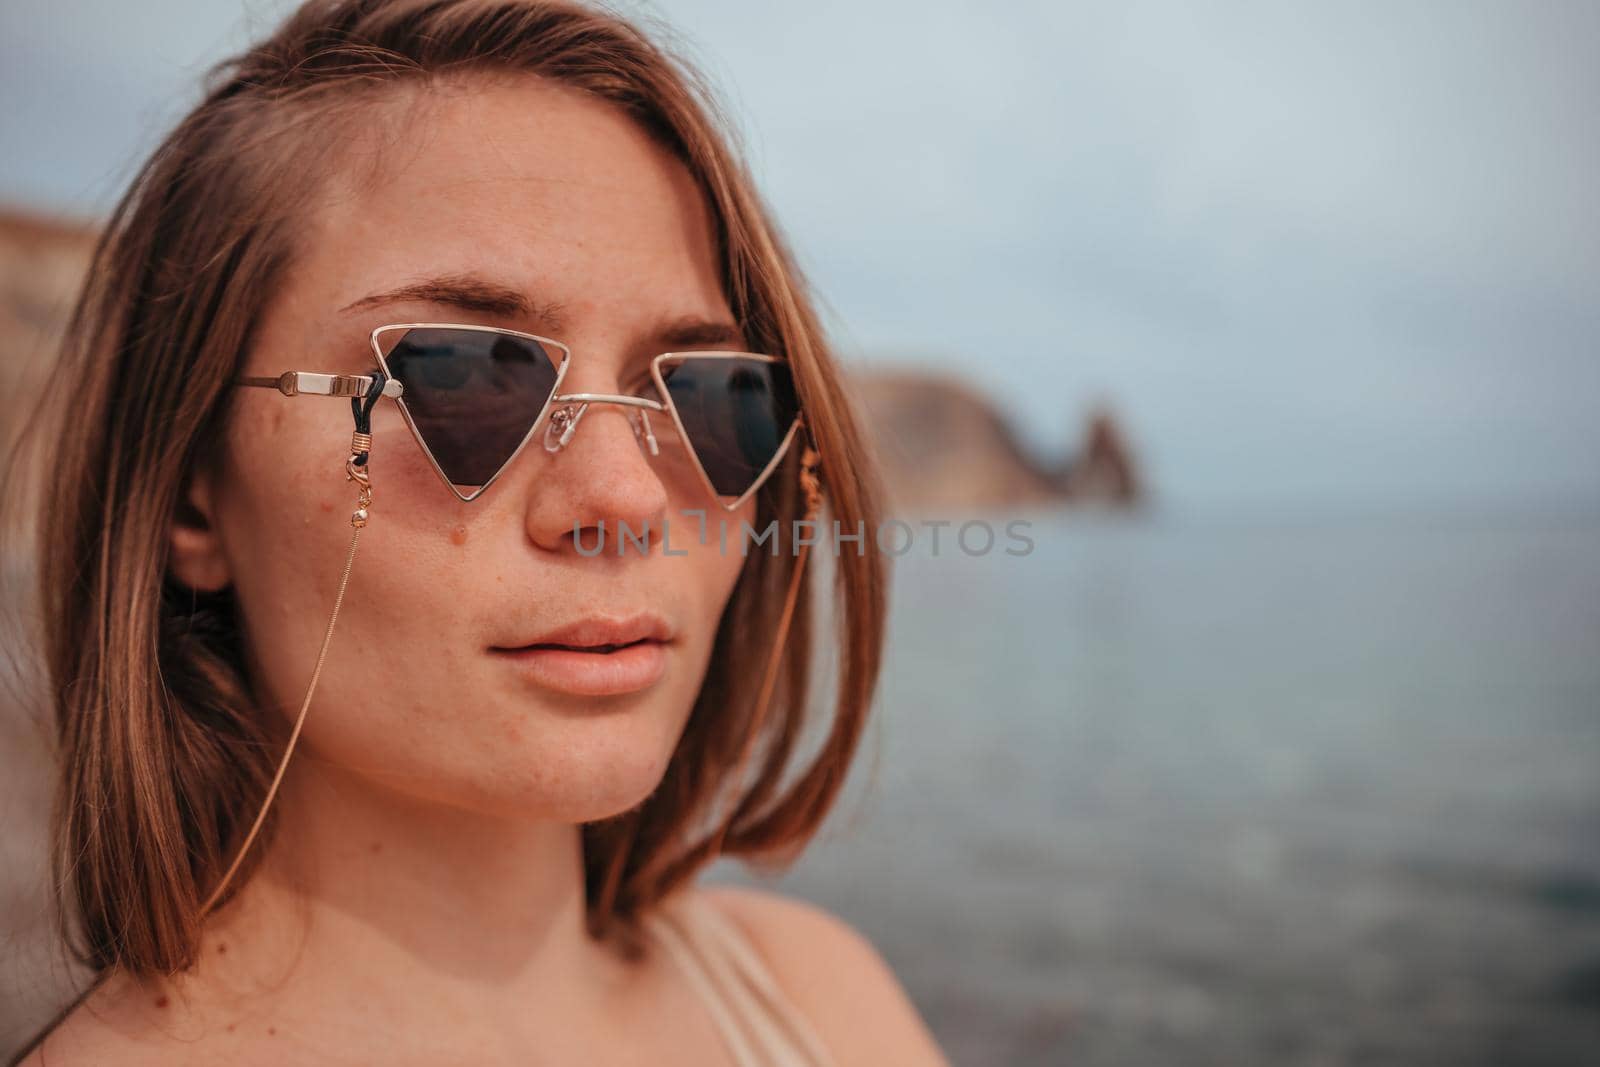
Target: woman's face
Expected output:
[528,206]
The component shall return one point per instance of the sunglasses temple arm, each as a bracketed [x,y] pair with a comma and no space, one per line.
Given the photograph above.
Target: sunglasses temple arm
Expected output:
[310,383]
[356,471]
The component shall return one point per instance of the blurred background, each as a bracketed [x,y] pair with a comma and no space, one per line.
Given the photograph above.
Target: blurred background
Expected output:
[1278,322]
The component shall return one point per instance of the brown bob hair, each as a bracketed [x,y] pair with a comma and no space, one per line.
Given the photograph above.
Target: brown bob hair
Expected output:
[164,757]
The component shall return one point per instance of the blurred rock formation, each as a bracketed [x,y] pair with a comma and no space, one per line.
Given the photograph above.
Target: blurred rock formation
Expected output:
[42,261]
[946,447]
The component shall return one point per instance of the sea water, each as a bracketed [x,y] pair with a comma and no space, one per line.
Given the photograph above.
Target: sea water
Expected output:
[1239,790]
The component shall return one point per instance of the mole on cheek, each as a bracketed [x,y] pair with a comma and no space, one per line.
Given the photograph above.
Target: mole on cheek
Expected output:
[458,536]
[161,1002]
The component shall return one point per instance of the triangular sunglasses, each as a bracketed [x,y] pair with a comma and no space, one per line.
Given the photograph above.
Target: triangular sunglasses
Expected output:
[474,396]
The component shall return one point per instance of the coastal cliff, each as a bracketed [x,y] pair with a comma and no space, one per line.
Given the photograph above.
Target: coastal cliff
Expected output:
[42,262]
[943,445]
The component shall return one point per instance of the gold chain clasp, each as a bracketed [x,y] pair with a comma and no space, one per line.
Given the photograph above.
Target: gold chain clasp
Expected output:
[355,470]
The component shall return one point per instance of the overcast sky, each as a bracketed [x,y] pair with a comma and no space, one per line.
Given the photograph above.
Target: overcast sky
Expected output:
[1331,255]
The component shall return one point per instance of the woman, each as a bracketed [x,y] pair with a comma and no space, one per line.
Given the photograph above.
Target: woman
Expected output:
[496,226]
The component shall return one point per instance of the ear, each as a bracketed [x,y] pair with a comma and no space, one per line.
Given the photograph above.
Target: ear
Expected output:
[194,549]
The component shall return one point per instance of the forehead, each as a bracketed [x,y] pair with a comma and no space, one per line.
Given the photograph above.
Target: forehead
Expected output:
[537,185]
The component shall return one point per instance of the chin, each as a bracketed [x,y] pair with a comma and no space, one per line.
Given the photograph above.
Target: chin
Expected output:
[569,770]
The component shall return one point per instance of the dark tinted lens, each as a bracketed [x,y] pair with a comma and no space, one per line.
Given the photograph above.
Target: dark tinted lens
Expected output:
[735,413]
[473,395]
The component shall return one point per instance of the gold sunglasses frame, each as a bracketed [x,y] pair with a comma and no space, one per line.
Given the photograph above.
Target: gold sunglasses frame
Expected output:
[294,383]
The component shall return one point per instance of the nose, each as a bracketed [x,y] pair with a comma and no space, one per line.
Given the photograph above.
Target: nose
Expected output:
[597,479]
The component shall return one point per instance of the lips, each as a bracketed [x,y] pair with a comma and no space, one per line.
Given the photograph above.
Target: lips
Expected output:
[595,656]
[599,634]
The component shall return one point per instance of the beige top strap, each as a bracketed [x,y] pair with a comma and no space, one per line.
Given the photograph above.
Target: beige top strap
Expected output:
[761,1026]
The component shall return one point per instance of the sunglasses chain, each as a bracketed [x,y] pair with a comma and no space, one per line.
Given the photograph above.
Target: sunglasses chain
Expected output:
[355,470]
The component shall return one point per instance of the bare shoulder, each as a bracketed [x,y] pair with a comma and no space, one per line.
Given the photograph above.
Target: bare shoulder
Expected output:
[834,975]
[79,1038]
[102,1026]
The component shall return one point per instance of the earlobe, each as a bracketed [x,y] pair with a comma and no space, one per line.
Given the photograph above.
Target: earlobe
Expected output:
[194,547]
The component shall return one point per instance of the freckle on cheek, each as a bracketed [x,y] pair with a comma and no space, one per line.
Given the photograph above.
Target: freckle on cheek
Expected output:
[161,1002]
[458,536]
[327,505]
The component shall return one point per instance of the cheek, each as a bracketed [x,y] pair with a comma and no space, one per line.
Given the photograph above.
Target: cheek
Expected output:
[408,695]
[403,625]
[716,556]
[728,547]
[715,546]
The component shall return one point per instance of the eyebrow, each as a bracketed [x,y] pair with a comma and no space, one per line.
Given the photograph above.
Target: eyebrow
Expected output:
[468,293]
[692,332]
[471,293]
